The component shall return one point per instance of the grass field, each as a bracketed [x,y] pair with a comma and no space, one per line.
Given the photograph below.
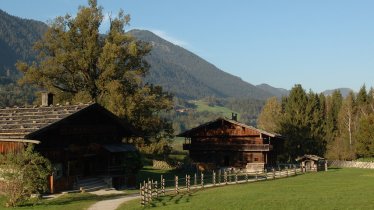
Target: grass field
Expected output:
[335,189]
[203,106]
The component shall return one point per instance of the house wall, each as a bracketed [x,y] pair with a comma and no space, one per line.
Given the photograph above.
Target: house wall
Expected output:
[226,144]
[7,147]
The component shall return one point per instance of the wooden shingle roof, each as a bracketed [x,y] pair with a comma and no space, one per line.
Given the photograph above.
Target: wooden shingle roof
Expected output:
[191,132]
[309,157]
[18,122]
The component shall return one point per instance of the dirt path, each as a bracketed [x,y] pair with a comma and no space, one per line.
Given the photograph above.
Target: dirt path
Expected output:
[112,204]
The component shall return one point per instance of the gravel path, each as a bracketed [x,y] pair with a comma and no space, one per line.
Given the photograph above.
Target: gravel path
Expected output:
[112,204]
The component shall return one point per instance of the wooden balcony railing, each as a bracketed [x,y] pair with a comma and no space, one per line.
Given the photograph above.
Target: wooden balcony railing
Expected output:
[229,147]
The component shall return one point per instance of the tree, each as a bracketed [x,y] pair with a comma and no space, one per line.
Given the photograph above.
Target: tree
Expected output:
[270,115]
[302,123]
[347,126]
[78,64]
[24,173]
[365,136]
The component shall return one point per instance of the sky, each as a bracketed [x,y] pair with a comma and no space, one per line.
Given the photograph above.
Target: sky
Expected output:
[321,44]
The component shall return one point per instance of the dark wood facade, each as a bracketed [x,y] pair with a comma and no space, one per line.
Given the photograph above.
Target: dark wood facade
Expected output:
[228,143]
[80,140]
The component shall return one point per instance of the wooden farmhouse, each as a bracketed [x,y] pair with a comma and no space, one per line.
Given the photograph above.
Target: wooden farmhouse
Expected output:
[227,143]
[82,141]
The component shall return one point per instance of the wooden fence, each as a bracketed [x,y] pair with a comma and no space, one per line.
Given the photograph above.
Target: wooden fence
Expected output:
[151,189]
[350,164]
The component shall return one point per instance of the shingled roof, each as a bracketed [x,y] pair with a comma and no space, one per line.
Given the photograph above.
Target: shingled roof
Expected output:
[18,122]
[190,132]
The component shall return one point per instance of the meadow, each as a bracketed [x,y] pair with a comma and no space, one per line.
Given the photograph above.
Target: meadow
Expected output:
[334,189]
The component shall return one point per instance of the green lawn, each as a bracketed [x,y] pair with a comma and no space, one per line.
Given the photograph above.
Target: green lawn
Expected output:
[74,201]
[203,106]
[335,189]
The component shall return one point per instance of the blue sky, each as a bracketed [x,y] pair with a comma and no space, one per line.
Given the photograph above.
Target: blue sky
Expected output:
[320,44]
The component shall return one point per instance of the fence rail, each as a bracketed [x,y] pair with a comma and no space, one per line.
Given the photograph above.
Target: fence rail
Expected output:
[350,164]
[150,189]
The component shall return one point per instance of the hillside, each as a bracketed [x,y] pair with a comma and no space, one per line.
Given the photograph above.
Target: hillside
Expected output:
[343,91]
[17,36]
[278,92]
[189,76]
[179,71]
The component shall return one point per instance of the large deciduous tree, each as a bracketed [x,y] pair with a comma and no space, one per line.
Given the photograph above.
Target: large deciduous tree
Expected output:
[78,64]
[270,116]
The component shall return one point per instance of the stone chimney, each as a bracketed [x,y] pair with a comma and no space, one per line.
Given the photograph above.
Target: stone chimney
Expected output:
[234,116]
[47,99]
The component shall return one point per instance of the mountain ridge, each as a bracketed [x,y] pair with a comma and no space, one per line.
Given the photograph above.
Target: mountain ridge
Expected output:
[176,69]
[207,79]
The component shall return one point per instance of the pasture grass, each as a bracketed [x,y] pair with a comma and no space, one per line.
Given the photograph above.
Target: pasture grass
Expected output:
[334,189]
[203,106]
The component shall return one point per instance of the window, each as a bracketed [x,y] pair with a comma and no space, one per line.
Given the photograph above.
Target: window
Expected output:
[256,159]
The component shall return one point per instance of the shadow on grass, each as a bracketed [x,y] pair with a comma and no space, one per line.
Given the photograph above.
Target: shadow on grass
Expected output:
[172,199]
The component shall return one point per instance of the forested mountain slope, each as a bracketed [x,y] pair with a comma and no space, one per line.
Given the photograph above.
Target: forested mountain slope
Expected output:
[189,76]
[17,37]
[176,69]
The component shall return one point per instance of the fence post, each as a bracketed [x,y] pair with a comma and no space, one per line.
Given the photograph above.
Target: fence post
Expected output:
[294,169]
[246,177]
[287,171]
[163,187]
[202,180]
[146,192]
[326,165]
[273,173]
[229,174]
[236,177]
[176,185]
[225,177]
[195,181]
[219,177]
[156,189]
[188,183]
[142,198]
[214,178]
[150,190]
[266,174]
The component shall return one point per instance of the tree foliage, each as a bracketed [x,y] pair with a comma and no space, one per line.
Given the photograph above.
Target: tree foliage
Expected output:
[24,173]
[333,126]
[270,116]
[78,64]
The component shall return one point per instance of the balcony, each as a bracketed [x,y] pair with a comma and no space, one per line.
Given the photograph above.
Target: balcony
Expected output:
[228,147]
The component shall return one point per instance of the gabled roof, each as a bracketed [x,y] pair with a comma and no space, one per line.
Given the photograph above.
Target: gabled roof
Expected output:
[190,132]
[310,157]
[24,122]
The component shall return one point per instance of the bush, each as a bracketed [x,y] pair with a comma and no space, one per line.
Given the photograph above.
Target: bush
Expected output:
[24,173]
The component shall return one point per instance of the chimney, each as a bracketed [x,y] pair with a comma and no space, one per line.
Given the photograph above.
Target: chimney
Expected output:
[47,99]
[234,116]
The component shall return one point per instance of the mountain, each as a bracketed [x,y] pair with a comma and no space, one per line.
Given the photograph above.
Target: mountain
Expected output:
[17,37]
[179,71]
[278,92]
[343,91]
[189,76]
